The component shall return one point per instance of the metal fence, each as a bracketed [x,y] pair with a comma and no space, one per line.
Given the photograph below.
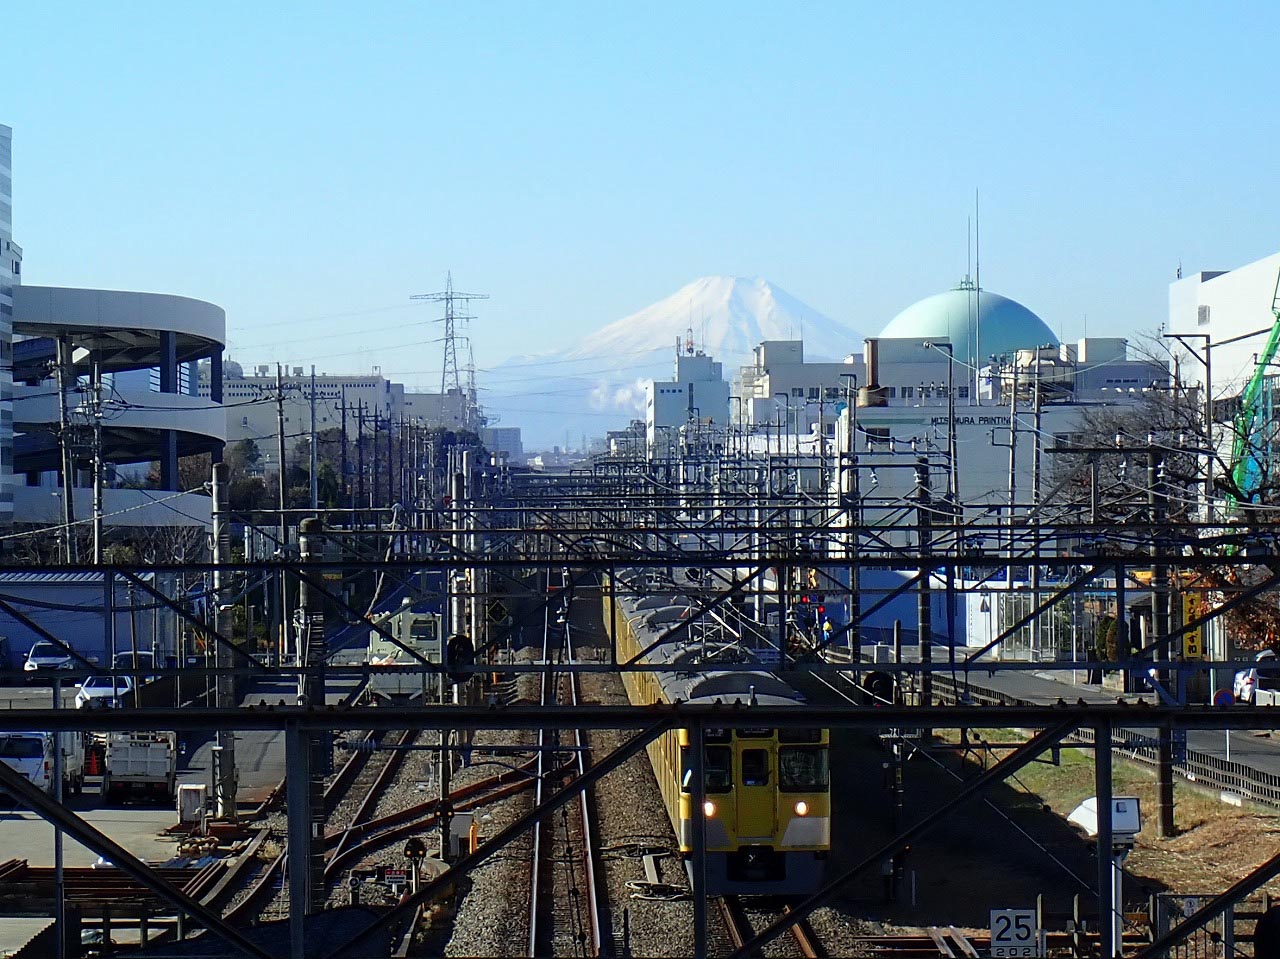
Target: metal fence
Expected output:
[1195,766]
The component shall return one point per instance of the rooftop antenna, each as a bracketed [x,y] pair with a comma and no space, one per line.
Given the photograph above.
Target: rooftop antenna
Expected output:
[688,341]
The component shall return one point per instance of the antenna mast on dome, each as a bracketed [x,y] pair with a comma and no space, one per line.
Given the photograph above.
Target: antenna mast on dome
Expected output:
[977,299]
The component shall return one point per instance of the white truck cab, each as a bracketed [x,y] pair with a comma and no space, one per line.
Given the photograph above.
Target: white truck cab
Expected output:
[31,754]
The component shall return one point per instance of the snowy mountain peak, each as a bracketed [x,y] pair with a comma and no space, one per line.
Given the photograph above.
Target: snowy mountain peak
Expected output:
[598,383]
[728,316]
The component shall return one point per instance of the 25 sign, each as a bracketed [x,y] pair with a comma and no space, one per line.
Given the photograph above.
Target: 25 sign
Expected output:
[1014,934]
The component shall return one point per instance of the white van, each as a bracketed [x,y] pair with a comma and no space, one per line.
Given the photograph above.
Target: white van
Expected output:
[31,755]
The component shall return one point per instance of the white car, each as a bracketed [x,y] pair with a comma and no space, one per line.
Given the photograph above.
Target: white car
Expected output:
[45,656]
[1263,675]
[102,691]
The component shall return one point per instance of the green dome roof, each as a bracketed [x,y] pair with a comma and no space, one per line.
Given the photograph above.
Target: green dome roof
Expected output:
[1004,325]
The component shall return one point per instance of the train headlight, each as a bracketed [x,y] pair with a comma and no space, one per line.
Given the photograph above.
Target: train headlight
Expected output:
[802,808]
[709,809]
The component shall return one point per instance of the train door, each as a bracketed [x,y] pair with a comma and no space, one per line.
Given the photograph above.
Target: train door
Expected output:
[754,792]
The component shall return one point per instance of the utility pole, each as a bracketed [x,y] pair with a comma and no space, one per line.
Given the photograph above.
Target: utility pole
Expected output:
[224,757]
[373,476]
[345,494]
[360,458]
[315,489]
[63,362]
[1013,469]
[391,461]
[924,609]
[313,649]
[1037,448]
[282,638]
[1156,506]
[96,413]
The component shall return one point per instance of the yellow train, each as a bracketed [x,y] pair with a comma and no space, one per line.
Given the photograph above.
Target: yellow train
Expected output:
[768,794]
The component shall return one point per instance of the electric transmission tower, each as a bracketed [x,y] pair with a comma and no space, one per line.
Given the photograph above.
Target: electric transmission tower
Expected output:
[450,377]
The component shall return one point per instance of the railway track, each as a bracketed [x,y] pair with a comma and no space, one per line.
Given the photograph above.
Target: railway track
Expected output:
[360,776]
[565,916]
[741,928]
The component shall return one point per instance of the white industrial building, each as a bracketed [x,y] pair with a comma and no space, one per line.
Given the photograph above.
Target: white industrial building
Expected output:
[252,414]
[371,402]
[1231,310]
[697,395]
[780,386]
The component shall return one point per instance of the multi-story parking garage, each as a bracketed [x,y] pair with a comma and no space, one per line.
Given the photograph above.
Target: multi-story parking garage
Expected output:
[142,348]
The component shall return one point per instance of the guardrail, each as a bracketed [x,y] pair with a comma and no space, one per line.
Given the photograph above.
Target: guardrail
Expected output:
[1195,766]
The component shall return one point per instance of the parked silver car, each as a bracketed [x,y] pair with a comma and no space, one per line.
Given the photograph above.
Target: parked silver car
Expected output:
[45,656]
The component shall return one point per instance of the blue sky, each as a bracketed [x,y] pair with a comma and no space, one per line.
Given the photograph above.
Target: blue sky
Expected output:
[309,166]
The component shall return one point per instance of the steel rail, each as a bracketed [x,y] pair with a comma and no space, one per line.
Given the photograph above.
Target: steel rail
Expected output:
[546,696]
[425,816]
[594,904]
[376,789]
[348,771]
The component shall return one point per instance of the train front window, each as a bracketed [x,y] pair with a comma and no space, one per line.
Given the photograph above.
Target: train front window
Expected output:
[803,768]
[717,769]
[755,767]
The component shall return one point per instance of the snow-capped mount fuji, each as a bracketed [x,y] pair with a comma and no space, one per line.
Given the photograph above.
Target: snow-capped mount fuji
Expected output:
[598,383]
[728,316]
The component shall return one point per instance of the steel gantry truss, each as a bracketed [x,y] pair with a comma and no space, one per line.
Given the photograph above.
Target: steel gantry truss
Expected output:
[748,532]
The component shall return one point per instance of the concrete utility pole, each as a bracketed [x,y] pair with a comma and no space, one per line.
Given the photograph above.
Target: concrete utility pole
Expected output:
[1013,469]
[459,468]
[315,489]
[1157,507]
[282,639]
[924,615]
[307,754]
[360,502]
[63,363]
[98,465]
[224,757]
[344,493]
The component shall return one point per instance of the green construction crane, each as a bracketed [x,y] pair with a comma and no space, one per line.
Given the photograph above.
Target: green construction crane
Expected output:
[1252,425]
